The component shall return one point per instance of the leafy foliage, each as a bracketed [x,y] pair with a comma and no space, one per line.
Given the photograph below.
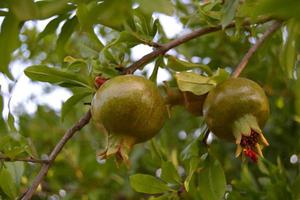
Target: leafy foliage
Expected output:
[83,39]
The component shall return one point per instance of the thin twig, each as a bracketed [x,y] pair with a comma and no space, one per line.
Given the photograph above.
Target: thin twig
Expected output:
[45,167]
[176,42]
[275,26]
[32,160]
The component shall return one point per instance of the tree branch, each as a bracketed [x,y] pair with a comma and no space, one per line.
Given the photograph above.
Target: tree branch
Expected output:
[32,160]
[45,167]
[276,25]
[176,42]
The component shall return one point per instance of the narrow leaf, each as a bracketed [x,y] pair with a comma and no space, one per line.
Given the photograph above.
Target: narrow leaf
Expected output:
[51,27]
[66,32]
[193,165]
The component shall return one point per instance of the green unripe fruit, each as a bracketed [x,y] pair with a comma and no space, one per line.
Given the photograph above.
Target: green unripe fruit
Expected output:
[129,107]
[235,110]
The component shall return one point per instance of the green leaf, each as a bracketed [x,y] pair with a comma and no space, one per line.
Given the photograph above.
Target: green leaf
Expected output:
[147,184]
[289,51]
[195,83]
[71,102]
[112,13]
[16,169]
[180,65]
[9,41]
[65,34]
[3,127]
[162,6]
[219,76]
[24,9]
[11,122]
[52,75]
[295,188]
[47,9]
[212,180]
[279,8]
[7,184]
[228,11]
[193,165]
[51,27]
[158,63]
[169,173]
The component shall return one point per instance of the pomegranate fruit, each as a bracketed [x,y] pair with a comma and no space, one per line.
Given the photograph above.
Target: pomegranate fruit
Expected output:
[236,110]
[131,110]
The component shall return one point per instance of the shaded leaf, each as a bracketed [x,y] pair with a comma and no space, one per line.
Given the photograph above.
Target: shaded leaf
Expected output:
[3,127]
[51,27]
[47,9]
[9,41]
[71,102]
[228,11]
[289,52]
[24,9]
[112,13]
[147,184]
[7,184]
[158,63]
[169,173]
[212,180]
[16,169]
[65,34]
[193,165]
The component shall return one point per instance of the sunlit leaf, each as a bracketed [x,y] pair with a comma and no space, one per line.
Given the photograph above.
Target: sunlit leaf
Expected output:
[191,82]
[52,75]
[162,6]
[147,184]
[180,65]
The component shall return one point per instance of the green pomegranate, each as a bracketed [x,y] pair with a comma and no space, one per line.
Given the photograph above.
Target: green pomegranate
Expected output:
[131,110]
[236,110]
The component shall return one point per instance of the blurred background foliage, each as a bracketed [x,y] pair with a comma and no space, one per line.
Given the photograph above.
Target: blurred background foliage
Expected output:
[85,38]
